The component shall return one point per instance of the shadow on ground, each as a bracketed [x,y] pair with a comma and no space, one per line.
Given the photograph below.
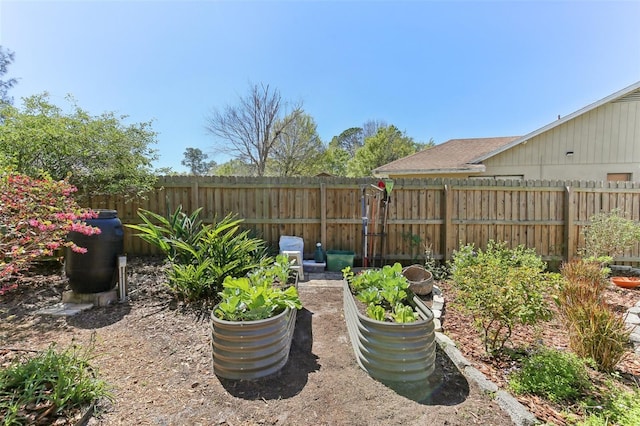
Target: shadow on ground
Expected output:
[446,385]
[98,317]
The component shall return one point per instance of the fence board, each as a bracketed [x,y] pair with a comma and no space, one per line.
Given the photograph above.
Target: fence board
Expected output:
[548,216]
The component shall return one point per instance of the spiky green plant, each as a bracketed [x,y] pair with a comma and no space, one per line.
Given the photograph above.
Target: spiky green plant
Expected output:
[202,255]
[597,333]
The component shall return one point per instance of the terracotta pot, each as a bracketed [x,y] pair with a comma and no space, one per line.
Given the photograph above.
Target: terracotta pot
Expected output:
[626,282]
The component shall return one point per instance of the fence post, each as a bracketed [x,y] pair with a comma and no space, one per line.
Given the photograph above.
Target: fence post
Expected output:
[194,194]
[569,236]
[447,230]
[323,214]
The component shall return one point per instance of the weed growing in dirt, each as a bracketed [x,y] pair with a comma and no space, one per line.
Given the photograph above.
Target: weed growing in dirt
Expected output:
[623,408]
[48,385]
[431,264]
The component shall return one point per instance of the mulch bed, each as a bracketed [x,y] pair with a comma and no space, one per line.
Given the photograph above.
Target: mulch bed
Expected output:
[459,327]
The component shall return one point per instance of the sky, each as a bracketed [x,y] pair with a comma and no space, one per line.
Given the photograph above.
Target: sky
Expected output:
[434,69]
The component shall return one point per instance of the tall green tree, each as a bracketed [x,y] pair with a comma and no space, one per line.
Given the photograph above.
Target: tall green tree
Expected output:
[196,161]
[100,154]
[387,145]
[6,59]
[251,129]
[335,159]
[298,149]
[350,140]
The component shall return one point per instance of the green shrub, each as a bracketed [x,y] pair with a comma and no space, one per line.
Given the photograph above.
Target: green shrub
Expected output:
[597,333]
[555,375]
[608,235]
[623,409]
[202,256]
[501,288]
[61,380]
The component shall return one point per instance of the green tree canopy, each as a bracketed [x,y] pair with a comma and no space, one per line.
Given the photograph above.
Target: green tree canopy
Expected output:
[350,140]
[6,58]
[387,145]
[100,154]
[196,161]
[335,159]
[298,150]
[233,167]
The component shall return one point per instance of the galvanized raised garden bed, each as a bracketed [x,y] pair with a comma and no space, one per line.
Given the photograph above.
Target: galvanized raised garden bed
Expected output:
[392,352]
[247,350]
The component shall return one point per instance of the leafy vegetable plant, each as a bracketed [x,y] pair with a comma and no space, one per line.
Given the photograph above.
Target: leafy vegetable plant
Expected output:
[257,296]
[385,291]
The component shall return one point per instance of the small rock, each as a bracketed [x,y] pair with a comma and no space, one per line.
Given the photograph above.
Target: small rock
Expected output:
[437,325]
[631,319]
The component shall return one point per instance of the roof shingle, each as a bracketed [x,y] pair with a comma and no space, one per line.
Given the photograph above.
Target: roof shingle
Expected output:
[455,154]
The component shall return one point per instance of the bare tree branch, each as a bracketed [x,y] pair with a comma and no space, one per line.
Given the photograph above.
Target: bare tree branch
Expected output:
[250,129]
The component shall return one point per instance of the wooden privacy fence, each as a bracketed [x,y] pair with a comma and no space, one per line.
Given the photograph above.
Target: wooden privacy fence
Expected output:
[548,216]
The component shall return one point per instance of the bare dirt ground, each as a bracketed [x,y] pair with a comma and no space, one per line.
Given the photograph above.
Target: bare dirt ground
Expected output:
[156,355]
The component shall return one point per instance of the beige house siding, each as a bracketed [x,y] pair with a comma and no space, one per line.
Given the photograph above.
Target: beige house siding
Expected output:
[603,140]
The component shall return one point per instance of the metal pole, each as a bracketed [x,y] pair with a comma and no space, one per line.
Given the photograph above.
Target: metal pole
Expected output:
[365,208]
[122,278]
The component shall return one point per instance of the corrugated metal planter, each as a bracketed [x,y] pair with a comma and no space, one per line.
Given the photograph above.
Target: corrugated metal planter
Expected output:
[247,350]
[399,355]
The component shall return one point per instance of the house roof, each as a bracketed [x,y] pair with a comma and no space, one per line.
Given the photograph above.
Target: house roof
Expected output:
[467,155]
[613,97]
[453,156]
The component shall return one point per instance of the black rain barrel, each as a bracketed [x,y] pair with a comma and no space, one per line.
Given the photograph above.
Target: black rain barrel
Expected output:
[96,270]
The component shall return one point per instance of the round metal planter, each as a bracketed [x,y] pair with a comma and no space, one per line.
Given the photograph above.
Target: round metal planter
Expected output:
[247,350]
[392,352]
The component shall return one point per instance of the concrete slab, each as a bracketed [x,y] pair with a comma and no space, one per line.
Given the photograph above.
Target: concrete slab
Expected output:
[65,309]
[311,267]
[105,298]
